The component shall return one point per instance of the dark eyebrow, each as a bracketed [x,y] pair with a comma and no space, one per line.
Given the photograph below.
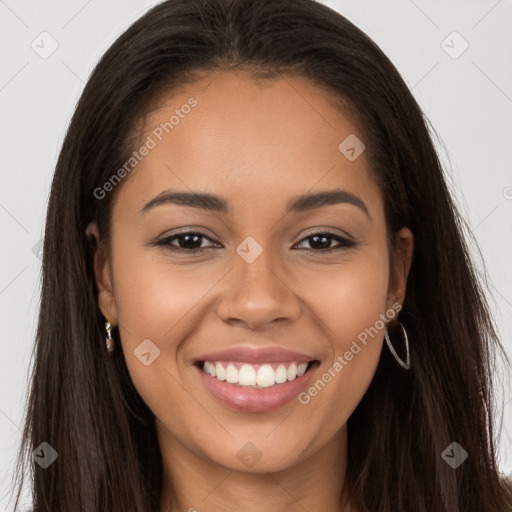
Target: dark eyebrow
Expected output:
[325,198]
[218,204]
[192,199]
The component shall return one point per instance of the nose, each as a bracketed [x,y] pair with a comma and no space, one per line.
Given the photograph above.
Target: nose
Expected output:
[257,294]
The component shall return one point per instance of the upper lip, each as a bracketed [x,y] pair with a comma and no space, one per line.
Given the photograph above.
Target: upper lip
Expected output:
[256,355]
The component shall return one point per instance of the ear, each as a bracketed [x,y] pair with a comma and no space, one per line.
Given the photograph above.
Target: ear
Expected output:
[103,275]
[402,264]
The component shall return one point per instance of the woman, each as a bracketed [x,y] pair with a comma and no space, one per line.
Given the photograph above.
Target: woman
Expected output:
[247,205]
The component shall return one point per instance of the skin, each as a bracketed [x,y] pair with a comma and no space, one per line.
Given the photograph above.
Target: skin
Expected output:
[257,144]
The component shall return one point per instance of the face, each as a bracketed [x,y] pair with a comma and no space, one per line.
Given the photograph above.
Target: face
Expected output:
[256,281]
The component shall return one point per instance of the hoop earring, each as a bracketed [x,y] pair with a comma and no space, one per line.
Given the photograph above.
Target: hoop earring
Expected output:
[404,364]
[109,341]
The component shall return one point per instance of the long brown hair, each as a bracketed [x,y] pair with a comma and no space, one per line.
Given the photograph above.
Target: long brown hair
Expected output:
[84,404]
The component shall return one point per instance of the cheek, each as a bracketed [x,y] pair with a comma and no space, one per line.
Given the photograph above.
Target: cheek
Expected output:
[349,299]
[349,308]
[153,297]
[157,309]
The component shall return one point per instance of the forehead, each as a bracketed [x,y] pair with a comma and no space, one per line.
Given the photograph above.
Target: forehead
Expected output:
[229,134]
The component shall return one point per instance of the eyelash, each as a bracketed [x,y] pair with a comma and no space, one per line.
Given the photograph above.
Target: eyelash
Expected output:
[345,243]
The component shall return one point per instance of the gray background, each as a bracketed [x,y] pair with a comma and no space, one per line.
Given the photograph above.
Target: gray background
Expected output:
[468,98]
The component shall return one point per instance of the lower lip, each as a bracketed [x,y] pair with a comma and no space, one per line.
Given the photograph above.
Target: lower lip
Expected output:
[252,399]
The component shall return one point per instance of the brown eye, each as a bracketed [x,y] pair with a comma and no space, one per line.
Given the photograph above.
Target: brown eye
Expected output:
[192,241]
[186,242]
[321,242]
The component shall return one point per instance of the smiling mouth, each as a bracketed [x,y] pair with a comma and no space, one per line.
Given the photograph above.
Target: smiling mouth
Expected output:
[255,376]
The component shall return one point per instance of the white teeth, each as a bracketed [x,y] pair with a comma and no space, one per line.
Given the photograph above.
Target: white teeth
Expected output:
[247,375]
[280,374]
[291,373]
[266,376]
[231,374]
[210,369]
[220,371]
[301,369]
